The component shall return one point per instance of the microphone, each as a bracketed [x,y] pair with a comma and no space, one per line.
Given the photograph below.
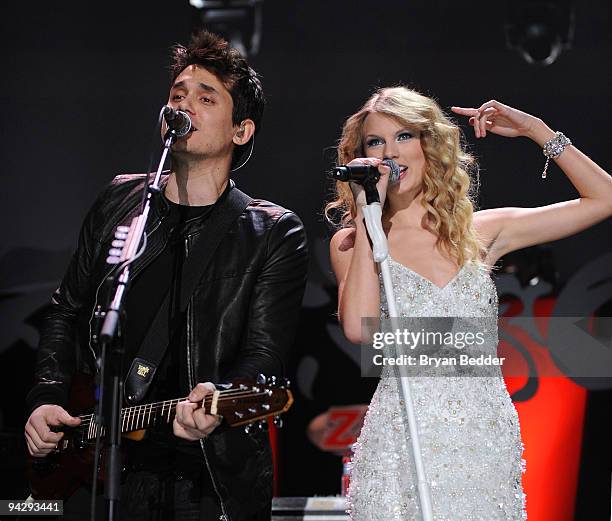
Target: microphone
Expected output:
[178,121]
[361,174]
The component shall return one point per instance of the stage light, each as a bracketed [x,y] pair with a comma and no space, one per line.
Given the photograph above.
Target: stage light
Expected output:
[539,30]
[238,21]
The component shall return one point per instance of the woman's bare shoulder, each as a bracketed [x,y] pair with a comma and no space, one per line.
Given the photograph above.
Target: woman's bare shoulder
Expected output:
[343,240]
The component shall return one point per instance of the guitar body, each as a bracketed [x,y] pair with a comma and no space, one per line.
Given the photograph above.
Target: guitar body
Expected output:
[59,474]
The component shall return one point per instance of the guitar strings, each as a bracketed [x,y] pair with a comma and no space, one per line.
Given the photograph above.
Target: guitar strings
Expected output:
[145,408]
[233,393]
[142,410]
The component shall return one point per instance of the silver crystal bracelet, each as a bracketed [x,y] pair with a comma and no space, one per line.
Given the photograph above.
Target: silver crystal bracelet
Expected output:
[552,149]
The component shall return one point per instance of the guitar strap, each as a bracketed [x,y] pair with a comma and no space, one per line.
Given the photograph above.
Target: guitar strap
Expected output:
[226,211]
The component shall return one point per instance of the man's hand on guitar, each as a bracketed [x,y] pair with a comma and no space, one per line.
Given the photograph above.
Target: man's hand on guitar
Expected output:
[191,421]
[41,440]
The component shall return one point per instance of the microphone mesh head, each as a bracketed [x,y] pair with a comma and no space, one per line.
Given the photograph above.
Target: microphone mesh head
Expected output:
[184,122]
[395,170]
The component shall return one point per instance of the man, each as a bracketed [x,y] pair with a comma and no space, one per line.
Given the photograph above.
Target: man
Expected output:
[239,322]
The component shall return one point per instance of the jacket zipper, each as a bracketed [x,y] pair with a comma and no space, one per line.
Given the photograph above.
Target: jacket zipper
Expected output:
[224,515]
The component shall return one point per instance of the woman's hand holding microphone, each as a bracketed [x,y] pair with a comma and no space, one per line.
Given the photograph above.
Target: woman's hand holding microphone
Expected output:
[382,184]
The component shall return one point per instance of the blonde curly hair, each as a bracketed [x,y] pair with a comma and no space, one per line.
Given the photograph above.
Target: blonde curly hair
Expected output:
[448,191]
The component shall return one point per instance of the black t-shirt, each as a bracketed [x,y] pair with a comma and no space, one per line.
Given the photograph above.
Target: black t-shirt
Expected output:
[146,294]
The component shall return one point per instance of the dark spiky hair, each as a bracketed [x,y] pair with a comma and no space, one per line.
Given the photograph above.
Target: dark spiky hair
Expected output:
[215,54]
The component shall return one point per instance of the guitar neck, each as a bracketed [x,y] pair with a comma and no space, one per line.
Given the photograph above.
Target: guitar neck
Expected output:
[144,416]
[238,405]
[136,417]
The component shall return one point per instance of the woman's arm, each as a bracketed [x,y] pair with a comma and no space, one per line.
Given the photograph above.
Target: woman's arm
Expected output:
[353,262]
[515,228]
[357,277]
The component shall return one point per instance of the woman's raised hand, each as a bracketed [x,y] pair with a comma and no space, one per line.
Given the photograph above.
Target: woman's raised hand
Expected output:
[498,118]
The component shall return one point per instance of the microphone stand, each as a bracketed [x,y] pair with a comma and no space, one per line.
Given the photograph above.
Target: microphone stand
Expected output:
[110,337]
[380,249]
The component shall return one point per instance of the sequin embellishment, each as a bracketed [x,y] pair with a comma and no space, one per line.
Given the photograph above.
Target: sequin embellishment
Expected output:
[469,429]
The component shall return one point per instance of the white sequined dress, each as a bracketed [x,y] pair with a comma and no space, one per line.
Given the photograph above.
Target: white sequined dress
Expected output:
[469,429]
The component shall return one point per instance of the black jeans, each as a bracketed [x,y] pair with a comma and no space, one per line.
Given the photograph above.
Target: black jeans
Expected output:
[150,496]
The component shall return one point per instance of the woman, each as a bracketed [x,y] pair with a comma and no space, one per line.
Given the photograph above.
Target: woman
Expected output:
[440,254]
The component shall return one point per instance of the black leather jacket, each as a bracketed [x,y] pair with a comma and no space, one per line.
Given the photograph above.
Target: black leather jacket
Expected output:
[241,320]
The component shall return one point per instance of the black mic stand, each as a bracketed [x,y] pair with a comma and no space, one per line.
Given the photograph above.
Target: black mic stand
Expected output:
[371,192]
[111,340]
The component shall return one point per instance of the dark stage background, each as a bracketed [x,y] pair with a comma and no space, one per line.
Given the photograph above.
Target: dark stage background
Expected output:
[81,87]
